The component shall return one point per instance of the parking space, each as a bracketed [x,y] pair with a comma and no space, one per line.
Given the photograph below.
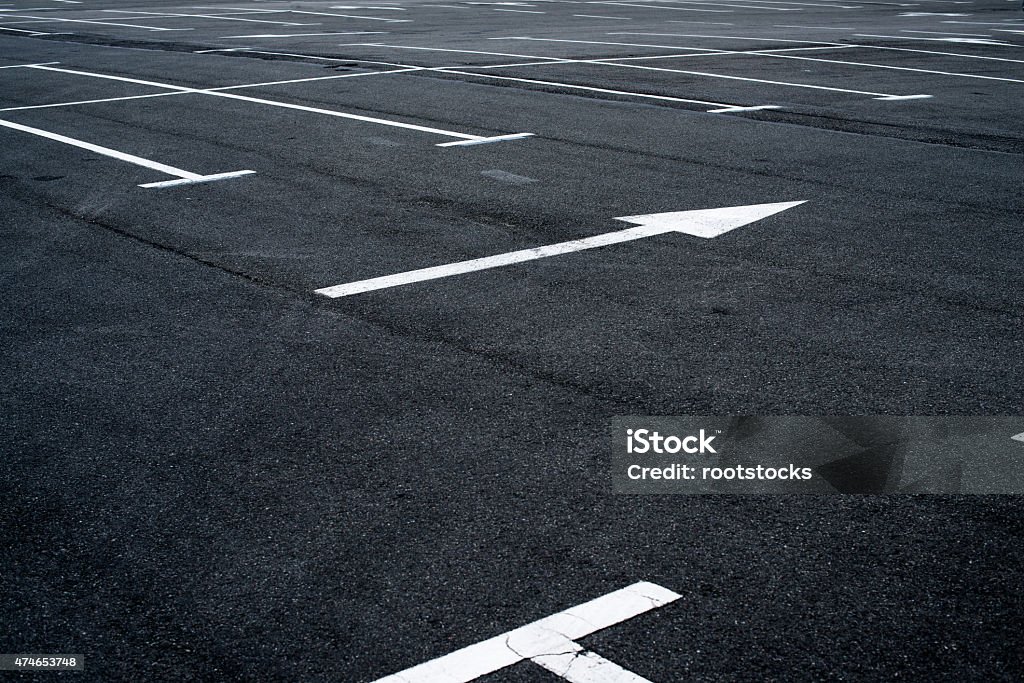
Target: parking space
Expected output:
[317,313]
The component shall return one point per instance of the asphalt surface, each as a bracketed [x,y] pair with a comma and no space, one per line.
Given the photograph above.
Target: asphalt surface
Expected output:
[211,472]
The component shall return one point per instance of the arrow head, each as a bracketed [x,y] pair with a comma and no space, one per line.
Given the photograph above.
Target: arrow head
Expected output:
[707,222]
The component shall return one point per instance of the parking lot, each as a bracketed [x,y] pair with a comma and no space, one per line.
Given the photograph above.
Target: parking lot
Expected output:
[315,315]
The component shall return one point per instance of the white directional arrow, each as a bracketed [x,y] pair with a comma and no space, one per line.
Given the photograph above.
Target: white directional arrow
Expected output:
[705,223]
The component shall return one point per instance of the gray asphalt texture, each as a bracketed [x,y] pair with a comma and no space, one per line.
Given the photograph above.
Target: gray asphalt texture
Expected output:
[212,473]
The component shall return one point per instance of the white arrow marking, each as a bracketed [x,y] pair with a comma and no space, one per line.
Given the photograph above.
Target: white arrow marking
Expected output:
[1018,437]
[549,643]
[705,223]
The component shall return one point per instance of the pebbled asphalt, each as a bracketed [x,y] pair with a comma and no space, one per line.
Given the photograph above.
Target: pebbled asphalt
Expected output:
[212,473]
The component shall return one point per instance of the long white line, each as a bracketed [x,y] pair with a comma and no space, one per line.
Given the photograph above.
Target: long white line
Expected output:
[24,66]
[350,16]
[875,95]
[183,177]
[684,9]
[240,86]
[822,42]
[719,107]
[716,4]
[303,35]
[159,15]
[288,105]
[775,55]
[92,21]
[543,640]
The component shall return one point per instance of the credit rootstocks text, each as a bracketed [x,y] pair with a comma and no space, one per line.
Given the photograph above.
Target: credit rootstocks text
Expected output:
[646,441]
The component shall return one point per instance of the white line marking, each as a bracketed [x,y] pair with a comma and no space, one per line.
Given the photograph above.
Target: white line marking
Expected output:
[684,9]
[521,11]
[303,35]
[588,88]
[545,640]
[969,41]
[874,95]
[183,176]
[445,49]
[774,54]
[22,30]
[20,66]
[1018,437]
[198,179]
[210,16]
[720,107]
[91,21]
[485,141]
[706,223]
[477,139]
[351,16]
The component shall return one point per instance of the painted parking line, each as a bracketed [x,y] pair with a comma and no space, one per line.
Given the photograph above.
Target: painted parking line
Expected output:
[467,138]
[549,642]
[45,20]
[182,177]
[775,54]
[706,223]
[300,35]
[888,97]
[887,48]
[239,86]
[159,15]
[717,107]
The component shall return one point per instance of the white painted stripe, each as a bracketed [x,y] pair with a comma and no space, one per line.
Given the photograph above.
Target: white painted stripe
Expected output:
[716,4]
[286,105]
[303,35]
[210,16]
[351,16]
[822,42]
[598,16]
[445,49]
[588,88]
[972,41]
[729,110]
[24,66]
[99,101]
[522,11]
[568,86]
[184,176]
[540,639]
[198,179]
[93,21]
[1018,437]
[23,30]
[485,141]
[105,151]
[685,9]
[705,223]
[609,62]
[501,260]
